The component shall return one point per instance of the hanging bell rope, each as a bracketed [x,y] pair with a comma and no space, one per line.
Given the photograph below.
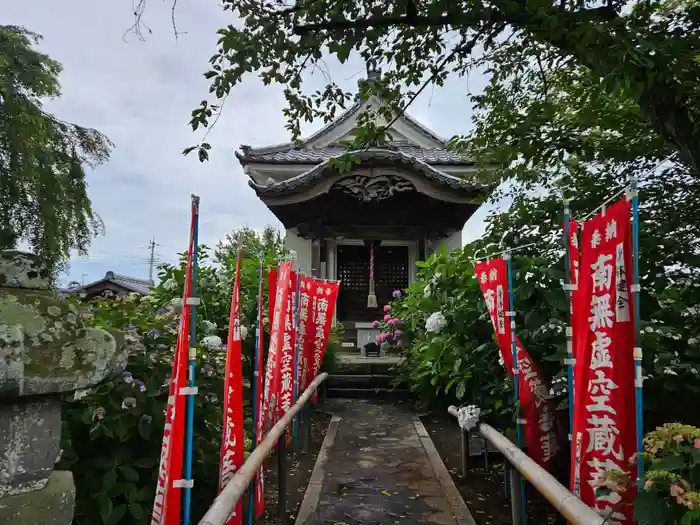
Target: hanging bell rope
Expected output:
[371,298]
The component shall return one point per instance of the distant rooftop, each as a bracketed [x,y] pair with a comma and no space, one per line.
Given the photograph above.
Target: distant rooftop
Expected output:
[131,284]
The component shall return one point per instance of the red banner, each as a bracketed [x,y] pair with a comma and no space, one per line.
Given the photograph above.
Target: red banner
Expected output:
[574,258]
[307,307]
[166,504]
[271,294]
[232,433]
[326,297]
[537,411]
[604,418]
[259,410]
[273,371]
[286,397]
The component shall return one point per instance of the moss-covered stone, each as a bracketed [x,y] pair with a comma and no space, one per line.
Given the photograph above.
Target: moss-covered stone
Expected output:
[23,270]
[45,346]
[51,505]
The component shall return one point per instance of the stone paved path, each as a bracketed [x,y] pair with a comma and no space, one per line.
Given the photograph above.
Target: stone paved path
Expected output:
[378,472]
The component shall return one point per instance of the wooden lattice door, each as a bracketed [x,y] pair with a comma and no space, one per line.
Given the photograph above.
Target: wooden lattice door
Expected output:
[353,272]
[390,273]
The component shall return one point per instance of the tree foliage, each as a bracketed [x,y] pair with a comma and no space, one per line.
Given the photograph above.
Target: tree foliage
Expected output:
[646,52]
[43,192]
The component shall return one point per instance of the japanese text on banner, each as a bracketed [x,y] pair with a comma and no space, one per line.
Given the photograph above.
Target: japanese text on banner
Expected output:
[232,433]
[604,420]
[537,411]
[326,296]
[273,369]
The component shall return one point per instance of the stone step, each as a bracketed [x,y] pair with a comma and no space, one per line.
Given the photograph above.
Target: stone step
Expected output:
[369,393]
[360,381]
[362,367]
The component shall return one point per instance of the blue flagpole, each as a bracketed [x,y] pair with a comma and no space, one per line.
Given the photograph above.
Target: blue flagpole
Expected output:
[569,329]
[254,404]
[296,353]
[634,194]
[192,363]
[516,371]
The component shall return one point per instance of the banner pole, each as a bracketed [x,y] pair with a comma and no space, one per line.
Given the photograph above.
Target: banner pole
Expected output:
[569,328]
[191,365]
[638,381]
[516,373]
[296,353]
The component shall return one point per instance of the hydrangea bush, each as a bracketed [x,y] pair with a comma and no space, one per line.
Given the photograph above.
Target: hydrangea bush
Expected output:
[669,493]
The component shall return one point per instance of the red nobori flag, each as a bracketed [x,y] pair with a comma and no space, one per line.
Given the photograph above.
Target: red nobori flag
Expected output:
[286,397]
[326,297]
[604,418]
[574,260]
[532,391]
[273,372]
[259,483]
[166,504]
[307,307]
[232,433]
[271,295]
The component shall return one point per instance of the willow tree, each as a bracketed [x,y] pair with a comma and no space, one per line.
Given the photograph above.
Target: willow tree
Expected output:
[43,191]
[647,50]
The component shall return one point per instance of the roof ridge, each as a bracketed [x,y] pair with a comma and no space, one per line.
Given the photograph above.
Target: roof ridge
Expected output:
[286,146]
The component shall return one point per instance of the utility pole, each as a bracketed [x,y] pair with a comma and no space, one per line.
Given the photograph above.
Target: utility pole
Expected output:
[151,260]
[82,280]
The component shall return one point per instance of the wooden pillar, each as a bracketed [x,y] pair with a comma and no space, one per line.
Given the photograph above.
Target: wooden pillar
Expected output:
[316,257]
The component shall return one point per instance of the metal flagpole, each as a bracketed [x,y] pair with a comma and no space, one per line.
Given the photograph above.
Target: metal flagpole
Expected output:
[295,361]
[635,288]
[256,373]
[516,373]
[192,363]
[568,288]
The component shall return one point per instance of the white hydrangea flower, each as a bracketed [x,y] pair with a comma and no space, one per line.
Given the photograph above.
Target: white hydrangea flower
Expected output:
[670,372]
[170,285]
[244,331]
[212,342]
[692,341]
[428,290]
[176,302]
[435,323]
[209,327]
[501,361]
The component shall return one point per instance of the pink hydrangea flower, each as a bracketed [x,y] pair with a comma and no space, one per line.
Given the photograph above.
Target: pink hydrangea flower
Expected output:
[387,307]
[387,317]
[696,443]
[676,490]
[678,438]
[648,484]
[375,324]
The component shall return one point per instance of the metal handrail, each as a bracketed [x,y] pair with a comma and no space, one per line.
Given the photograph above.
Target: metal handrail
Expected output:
[225,502]
[567,504]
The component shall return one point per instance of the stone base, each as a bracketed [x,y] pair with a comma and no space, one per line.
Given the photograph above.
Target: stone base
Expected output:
[52,505]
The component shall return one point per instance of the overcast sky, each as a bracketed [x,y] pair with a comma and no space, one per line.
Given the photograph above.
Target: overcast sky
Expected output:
[140,94]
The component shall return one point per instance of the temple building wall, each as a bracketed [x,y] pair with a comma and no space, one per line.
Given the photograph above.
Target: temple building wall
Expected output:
[303,248]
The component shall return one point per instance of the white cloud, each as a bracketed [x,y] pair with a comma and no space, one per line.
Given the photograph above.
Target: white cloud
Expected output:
[140,94]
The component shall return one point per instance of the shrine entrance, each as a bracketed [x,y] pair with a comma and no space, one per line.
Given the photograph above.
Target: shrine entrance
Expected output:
[391,272]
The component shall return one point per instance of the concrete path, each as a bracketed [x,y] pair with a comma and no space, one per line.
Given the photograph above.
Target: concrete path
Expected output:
[378,466]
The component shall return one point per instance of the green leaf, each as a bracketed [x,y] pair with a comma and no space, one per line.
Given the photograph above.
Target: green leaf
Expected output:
[108,481]
[129,473]
[117,515]
[461,389]
[136,510]
[669,462]
[106,508]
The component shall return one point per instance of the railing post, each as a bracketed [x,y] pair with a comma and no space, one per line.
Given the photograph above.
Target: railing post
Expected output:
[464,449]
[516,500]
[307,430]
[282,477]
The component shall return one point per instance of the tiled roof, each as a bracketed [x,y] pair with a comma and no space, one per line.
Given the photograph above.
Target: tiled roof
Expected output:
[289,153]
[312,156]
[142,286]
[375,154]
